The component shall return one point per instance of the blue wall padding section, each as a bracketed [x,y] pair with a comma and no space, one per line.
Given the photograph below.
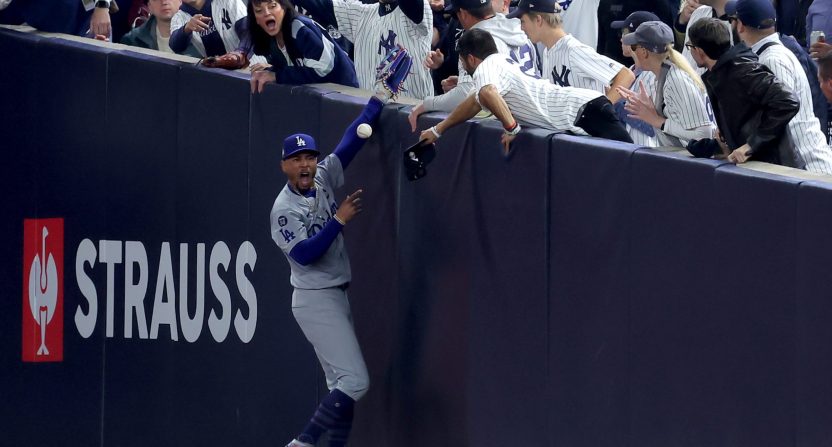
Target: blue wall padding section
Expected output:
[589,196]
[577,292]
[813,314]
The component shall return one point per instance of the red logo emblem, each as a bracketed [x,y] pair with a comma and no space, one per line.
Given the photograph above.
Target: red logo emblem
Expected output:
[43,293]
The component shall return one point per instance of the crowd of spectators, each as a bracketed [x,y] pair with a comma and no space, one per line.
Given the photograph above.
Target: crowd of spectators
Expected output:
[735,79]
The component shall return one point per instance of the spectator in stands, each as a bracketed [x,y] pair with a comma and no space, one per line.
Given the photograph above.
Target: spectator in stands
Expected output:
[751,106]
[819,18]
[642,133]
[446,73]
[377,28]
[510,40]
[825,75]
[155,32]
[64,16]
[692,12]
[215,27]
[580,20]
[755,21]
[298,50]
[611,11]
[677,109]
[564,59]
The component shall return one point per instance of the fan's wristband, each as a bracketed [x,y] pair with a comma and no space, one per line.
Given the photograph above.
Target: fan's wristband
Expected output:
[435,133]
[512,130]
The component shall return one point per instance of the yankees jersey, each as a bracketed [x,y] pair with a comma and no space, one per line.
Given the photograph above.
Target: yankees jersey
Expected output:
[375,29]
[511,42]
[570,63]
[296,217]
[649,80]
[701,12]
[531,100]
[683,104]
[804,129]
[580,19]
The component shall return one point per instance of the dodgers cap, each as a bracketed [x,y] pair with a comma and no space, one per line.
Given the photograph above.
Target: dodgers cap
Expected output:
[299,142]
[758,14]
[654,36]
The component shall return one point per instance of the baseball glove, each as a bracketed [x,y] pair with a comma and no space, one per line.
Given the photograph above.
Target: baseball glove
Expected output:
[416,159]
[391,73]
[230,61]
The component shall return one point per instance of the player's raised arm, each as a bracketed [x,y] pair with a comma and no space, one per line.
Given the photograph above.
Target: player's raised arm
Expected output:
[463,112]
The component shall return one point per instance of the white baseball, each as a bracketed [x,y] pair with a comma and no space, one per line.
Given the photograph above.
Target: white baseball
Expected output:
[364,130]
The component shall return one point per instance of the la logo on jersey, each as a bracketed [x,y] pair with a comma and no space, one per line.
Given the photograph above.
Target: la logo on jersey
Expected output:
[43,295]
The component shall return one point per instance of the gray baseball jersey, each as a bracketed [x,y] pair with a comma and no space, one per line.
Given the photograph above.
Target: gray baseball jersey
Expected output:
[295,218]
[803,130]
[570,63]
[685,110]
[374,32]
[533,101]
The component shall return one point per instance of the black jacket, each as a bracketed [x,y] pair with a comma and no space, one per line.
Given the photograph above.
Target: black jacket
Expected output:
[751,106]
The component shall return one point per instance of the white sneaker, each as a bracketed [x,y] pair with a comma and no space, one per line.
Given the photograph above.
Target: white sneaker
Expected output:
[296,443]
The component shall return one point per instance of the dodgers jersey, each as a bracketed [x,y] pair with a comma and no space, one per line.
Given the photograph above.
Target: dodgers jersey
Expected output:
[375,29]
[295,218]
[803,130]
[580,19]
[532,101]
[511,42]
[570,63]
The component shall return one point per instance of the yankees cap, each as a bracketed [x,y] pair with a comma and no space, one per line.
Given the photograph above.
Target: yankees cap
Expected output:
[654,36]
[297,143]
[468,4]
[634,20]
[758,14]
[542,6]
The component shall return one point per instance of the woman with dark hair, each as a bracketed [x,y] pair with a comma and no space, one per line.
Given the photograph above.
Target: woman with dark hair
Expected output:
[298,49]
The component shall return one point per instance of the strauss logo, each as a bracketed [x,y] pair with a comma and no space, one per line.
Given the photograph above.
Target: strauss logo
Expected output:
[43,290]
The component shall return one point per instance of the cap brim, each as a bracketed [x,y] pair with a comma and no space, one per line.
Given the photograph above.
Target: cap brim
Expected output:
[630,39]
[619,24]
[517,13]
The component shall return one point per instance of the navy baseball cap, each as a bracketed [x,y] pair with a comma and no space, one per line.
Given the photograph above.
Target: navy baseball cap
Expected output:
[542,6]
[653,35]
[758,14]
[634,20]
[468,4]
[297,143]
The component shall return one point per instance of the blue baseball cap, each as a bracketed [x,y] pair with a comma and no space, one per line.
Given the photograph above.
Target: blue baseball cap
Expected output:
[654,36]
[541,6]
[468,4]
[634,20]
[758,14]
[297,143]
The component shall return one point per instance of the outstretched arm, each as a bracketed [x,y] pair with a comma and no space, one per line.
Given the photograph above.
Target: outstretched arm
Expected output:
[463,112]
[351,143]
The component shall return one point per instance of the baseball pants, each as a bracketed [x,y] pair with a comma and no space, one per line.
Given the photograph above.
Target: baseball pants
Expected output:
[324,317]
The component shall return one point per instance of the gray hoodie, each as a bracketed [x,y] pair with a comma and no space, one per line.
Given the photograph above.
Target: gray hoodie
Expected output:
[511,41]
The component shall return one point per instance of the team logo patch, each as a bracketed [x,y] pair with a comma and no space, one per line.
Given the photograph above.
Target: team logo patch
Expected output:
[281,221]
[300,142]
[43,294]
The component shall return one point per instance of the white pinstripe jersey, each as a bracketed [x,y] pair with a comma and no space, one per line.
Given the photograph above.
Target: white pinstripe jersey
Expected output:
[224,14]
[684,108]
[533,101]
[804,129]
[649,80]
[570,63]
[580,19]
[700,13]
[373,35]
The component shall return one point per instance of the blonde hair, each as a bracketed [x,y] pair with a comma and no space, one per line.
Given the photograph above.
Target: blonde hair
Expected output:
[681,63]
[553,19]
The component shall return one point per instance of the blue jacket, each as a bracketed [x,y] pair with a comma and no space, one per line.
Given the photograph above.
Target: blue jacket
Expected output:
[145,37]
[316,57]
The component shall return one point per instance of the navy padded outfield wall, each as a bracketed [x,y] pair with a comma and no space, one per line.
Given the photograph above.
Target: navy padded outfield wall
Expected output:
[577,292]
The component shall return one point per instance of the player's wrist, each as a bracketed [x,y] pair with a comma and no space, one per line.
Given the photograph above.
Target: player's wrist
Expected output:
[340,220]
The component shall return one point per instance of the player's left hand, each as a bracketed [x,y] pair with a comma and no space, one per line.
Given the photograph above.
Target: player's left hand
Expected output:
[640,105]
[100,22]
[413,116]
[819,50]
[506,139]
[740,154]
[259,79]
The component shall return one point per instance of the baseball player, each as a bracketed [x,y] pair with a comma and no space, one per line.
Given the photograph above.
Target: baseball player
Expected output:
[642,133]
[503,88]
[755,21]
[696,10]
[510,40]
[215,27]
[306,224]
[565,60]
[374,29]
[677,110]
